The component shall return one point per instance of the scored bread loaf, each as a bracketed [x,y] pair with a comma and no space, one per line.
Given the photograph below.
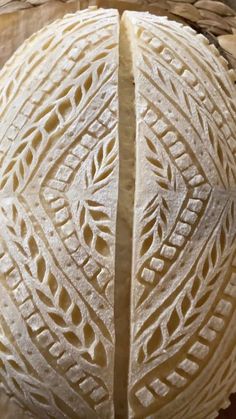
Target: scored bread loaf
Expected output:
[118,221]
[58,183]
[184,242]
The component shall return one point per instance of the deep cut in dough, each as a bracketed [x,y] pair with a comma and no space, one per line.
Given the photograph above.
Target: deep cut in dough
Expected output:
[118,222]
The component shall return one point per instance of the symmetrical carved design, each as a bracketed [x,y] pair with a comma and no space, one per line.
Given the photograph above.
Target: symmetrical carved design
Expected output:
[58,212]
[185,215]
[58,183]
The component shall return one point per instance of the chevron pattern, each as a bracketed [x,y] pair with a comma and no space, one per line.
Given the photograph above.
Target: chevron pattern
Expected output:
[57,240]
[184,262]
[59,183]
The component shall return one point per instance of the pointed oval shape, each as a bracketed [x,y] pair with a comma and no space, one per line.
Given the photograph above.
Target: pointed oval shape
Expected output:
[72,341]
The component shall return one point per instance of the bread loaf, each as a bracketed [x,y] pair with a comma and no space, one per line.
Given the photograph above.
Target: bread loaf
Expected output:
[118,221]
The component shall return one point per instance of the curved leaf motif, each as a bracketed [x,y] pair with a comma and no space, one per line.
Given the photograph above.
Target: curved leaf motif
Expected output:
[102,166]
[160,166]
[56,300]
[95,225]
[154,222]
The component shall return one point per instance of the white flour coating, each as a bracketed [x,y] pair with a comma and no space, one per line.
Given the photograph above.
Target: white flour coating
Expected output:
[116,185]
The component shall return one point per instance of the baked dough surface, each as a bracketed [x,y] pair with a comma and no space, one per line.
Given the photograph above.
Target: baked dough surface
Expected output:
[118,221]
